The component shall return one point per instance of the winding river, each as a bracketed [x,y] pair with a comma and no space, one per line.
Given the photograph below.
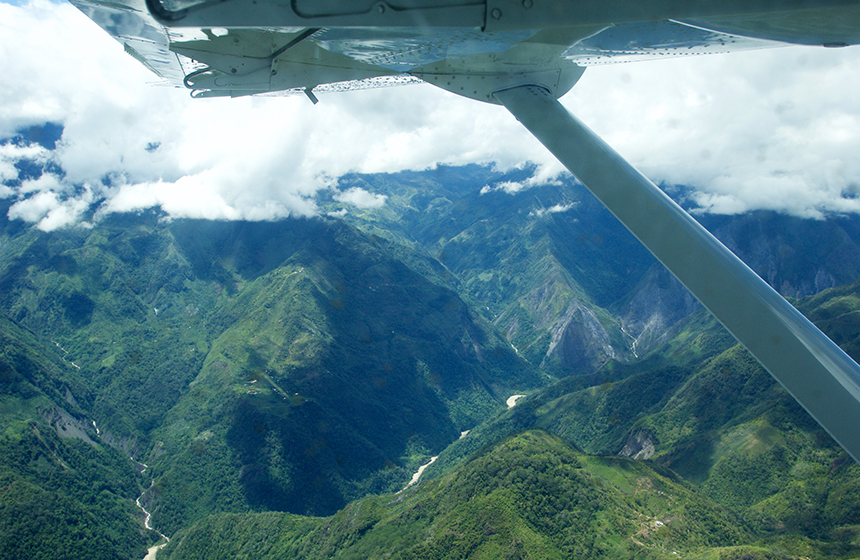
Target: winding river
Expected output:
[147,522]
[511,402]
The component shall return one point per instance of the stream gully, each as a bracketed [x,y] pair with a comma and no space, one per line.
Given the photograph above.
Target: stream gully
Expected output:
[147,521]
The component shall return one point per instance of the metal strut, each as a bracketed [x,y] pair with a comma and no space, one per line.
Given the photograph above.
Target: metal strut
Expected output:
[814,370]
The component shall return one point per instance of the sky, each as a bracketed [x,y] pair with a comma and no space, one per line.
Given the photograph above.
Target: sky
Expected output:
[774,129]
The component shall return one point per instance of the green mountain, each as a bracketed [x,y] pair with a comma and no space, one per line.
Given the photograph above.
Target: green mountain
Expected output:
[246,363]
[63,494]
[702,407]
[544,264]
[529,496]
[339,371]
[242,379]
[568,286]
[722,464]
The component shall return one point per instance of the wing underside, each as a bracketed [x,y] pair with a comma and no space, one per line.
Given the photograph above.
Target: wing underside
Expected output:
[230,61]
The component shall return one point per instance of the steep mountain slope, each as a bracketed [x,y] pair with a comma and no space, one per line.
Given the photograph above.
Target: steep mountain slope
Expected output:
[340,370]
[569,287]
[247,363]
[704,408]
[760,478]
[797,257]
[531,496]
[118,299]
[296,366]
[542,262]
[64,494]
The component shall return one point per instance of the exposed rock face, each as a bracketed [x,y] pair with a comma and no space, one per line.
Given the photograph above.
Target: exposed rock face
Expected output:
[657,306]
[126,444]
[555,327]
[639,446]
[579,341]
[68,426]
[797,257]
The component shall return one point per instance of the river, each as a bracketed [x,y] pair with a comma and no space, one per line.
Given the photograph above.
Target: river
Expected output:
[153,550]
[147,522]
[511,402]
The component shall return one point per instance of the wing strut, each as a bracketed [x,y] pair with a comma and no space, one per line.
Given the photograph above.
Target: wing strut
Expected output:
[817,373]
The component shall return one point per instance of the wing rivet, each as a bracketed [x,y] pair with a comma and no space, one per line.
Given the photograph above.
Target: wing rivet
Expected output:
[527,4]
[496,13]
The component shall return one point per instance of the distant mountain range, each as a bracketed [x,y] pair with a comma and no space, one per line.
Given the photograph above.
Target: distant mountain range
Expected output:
[235,377]
[562,279]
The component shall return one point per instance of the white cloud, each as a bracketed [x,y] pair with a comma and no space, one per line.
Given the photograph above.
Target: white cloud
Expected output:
[10,153]
[558,208]
[773,129]
[34,208]
[65,215]
[7,170]
[360,198]
[546,173]
[49,211]
[510,187]
[48,182]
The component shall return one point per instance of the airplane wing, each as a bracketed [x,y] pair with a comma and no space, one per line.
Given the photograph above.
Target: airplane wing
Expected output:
[236,48]
[525,54]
